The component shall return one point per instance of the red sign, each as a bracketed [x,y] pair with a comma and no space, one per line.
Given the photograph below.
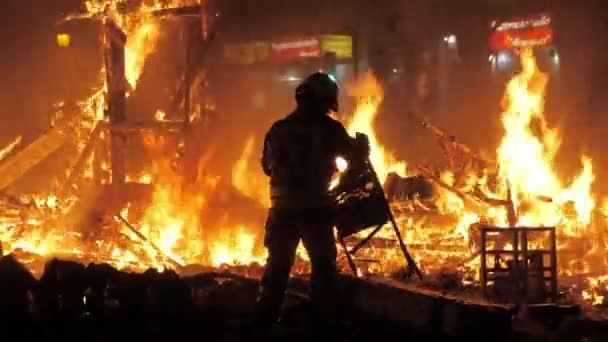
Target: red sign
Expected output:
[524,32]
[286,50]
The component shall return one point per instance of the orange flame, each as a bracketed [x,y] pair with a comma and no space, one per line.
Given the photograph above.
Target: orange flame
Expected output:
[526,159]
[250,181]
[370,92]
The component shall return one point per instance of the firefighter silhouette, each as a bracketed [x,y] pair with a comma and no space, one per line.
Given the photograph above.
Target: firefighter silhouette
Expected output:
[299,157]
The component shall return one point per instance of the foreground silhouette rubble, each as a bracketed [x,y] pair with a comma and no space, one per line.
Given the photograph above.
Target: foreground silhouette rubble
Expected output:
[72,301]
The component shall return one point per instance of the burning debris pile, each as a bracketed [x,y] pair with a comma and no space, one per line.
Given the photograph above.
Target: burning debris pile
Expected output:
[443,212]
[520,189]
[158,224]
[215,221]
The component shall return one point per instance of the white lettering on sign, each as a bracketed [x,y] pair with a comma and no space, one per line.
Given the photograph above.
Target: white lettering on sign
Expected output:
[310,54]
[537,22]
[298,44]
[518,42]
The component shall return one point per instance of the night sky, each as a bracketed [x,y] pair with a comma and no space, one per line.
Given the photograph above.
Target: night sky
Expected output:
[36,73]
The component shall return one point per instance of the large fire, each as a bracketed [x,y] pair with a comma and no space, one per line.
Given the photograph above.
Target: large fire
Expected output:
[526,159]
[178,225]
[170,224]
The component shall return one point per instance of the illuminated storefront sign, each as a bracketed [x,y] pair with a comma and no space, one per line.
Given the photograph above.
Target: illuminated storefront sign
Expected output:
[286,50]
[524,32]
[289,49]
[542,20]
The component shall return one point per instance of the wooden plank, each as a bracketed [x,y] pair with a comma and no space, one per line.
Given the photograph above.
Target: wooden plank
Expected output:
[16,166]
[78,170]
[115,40]
[5,152]
[178,11]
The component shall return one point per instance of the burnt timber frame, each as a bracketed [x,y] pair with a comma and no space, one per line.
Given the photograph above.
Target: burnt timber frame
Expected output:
[520,253]
[117,126]
[115,40]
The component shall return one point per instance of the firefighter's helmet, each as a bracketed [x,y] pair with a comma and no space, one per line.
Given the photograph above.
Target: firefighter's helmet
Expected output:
[319,90]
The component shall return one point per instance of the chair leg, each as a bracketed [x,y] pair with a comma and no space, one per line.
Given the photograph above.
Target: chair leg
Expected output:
[349,257]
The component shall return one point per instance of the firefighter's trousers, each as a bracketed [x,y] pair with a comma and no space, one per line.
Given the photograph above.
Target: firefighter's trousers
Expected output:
[285,227]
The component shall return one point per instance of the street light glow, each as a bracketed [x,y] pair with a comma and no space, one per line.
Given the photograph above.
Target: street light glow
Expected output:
[63,40]
[450,39]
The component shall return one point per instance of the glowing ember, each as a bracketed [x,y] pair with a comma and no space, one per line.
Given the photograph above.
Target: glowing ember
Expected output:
[236,248]
[593,294]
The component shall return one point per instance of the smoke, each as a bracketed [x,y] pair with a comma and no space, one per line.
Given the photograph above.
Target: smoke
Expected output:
[37,75]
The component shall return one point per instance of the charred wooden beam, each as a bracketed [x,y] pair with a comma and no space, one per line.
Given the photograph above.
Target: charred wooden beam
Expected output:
[467,198]
[196,51]
[16,166]
[444,137]
[148,241]
[178,11]
[476,201]
[115,40]
[77,171]
[408,188]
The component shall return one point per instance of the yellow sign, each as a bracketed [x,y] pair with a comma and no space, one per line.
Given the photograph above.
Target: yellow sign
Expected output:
[247,53]
[341,45]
